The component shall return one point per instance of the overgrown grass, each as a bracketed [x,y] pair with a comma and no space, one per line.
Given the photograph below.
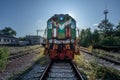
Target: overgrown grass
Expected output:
[106,54]
[4,54]
[94,71]
[103,53]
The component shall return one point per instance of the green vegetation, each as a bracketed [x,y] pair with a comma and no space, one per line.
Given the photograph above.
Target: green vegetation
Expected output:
[106,35]
[105,73]
[95,71]
[103,53]
[22,38]
[8,31]
[85,38]
[4,54]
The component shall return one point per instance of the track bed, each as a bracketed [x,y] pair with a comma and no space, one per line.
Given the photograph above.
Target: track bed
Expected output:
[61,70]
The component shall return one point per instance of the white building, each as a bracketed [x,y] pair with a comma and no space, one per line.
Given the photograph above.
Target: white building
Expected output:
[8,40]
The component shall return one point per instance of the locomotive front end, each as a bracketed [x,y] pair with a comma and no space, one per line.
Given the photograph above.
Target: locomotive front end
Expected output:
[61,37]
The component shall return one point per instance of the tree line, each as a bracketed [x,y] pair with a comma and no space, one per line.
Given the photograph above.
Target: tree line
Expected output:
[107,34]
[8,31]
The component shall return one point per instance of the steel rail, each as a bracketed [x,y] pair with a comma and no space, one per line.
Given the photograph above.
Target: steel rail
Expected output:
[42,77]
[79,76]
[104,58]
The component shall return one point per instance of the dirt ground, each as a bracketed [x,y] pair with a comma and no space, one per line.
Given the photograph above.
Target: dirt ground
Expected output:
[20,64]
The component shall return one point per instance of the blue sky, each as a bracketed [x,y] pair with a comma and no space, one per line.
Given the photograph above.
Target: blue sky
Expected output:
[25,16]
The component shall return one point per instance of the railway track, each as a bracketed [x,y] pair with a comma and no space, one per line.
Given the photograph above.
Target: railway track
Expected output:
[20,54]
[61,70]
[54,70]
[101,57]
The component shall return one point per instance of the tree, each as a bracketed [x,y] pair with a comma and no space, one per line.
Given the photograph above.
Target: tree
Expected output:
[117,35]
[8,31]
[106,28]
[106,33]
[85,38]
[96,37]
[89,36]
[22,38]
[0,32]
[118,30]
[81,37]
[118,26]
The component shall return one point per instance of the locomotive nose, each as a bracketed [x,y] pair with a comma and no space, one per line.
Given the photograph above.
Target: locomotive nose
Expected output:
[61,36]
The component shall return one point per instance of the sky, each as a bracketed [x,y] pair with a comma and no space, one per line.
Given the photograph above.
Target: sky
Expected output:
[26,16]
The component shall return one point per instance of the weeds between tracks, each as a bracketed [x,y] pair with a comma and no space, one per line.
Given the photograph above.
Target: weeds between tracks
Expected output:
[94,71]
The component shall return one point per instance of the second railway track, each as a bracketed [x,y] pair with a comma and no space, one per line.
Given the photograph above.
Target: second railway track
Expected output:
[101,57]
[21,53]
[61,70]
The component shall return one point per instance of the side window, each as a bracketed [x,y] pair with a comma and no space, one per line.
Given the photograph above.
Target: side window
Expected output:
[8,40]
[73,25]
[4,40]
[49,25]
[11,40]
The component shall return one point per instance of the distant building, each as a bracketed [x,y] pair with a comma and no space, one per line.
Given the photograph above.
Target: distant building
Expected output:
[8,40]
[24,43]
[34,39]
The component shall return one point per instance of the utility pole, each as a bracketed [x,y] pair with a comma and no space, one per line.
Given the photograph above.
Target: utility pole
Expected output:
[40,30]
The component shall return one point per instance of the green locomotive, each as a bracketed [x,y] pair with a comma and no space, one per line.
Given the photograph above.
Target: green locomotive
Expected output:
[61,37]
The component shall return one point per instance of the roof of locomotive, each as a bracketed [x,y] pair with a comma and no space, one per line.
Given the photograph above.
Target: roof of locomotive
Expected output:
[59,15]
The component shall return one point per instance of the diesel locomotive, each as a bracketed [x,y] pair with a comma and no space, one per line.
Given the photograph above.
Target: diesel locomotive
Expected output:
[61,37]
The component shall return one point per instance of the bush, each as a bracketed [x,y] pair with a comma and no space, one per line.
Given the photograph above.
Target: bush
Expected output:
[4,54]
[105,73]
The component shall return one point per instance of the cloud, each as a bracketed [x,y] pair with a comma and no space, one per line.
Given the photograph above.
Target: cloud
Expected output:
[95,24]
